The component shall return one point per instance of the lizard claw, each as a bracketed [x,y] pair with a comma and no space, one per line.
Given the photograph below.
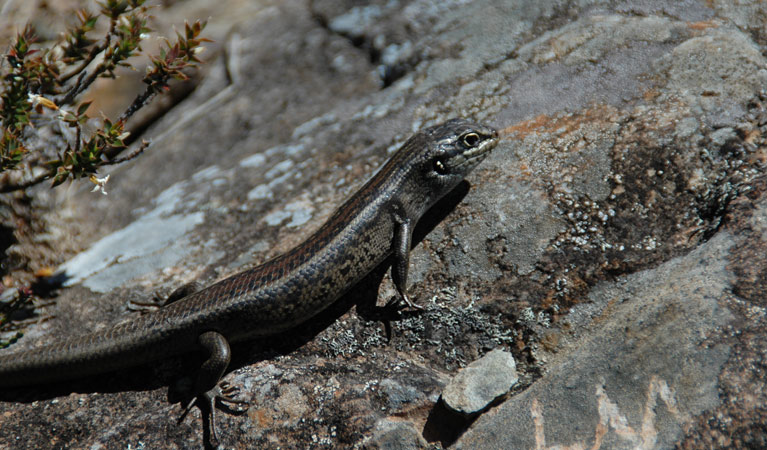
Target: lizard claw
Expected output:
[226,396]
[406,300]
[411,304]
[186,410]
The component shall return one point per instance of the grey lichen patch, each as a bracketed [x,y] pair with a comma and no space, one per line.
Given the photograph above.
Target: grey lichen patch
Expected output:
[345,339]
[442,333]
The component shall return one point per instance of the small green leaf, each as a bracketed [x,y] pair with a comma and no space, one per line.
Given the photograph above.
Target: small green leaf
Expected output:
[83,107]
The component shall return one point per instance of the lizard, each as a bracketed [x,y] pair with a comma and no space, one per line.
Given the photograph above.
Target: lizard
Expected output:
[373,224]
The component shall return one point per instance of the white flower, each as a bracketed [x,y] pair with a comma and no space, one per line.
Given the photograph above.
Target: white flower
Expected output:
[35,100]
[100,183]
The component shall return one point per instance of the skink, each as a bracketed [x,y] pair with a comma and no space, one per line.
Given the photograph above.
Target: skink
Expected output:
[374,223]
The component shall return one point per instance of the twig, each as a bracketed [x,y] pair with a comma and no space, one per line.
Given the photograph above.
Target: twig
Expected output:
[135,153]
[11,187]
[79,85]
[78,138]
[88,81]
[139,102]
[69,98]
[92,55]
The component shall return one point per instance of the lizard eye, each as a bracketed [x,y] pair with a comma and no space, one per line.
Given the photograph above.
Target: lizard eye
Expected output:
[440,167]
[470,139]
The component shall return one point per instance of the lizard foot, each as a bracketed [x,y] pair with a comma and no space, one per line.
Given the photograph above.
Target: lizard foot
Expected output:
[222,395]
[159,299]
[225,395]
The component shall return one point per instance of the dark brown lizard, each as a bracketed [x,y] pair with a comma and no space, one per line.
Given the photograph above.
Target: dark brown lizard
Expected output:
[376,222]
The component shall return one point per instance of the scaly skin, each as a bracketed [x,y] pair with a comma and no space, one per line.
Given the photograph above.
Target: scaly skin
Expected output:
[375,222]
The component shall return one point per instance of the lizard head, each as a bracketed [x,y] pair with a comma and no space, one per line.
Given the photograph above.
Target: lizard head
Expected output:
[457,147]
[434,161]
[452,150]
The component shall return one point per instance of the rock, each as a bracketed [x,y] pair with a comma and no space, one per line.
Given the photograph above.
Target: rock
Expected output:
[9,295]
[398,395]
[477,385]
[722,136]
[394,435]
[618,386]
[614,241]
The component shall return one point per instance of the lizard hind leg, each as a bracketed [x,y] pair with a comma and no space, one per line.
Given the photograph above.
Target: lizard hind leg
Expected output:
[208,391]
[159,300]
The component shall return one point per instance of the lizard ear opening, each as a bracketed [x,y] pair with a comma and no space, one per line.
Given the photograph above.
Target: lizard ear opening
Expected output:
[440,167]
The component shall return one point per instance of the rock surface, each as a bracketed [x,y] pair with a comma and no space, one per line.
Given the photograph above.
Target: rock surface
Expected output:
[389,435]
[590,397]
[477,385]
[614,242]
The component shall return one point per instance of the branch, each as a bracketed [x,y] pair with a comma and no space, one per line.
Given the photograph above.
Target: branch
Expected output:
[11,187]
[70,97]
[144,145]
[139,102]
[91,56]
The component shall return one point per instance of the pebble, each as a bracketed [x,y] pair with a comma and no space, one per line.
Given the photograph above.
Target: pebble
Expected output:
[475,386]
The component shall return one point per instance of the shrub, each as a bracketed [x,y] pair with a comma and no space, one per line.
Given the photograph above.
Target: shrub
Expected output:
[41,82]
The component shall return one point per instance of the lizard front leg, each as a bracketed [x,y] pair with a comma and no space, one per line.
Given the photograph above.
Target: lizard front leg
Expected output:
[403,232]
